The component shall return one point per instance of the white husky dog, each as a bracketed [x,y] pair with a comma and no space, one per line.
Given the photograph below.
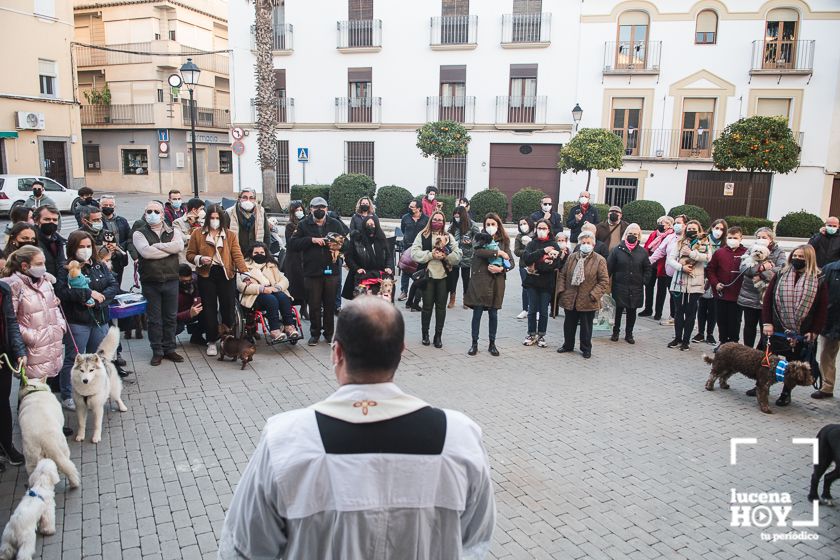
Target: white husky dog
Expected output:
[35,512]
[40,419]
[95,381]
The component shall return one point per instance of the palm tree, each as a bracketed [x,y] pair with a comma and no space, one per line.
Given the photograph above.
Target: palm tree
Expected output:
[266,103]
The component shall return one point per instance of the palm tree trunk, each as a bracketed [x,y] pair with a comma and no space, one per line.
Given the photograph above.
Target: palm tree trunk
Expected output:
[266,104]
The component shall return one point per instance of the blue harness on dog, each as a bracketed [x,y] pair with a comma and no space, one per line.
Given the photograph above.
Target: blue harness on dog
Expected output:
[781,365]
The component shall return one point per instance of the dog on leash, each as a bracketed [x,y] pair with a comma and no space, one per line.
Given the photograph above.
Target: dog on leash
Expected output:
[828,439]
[35,513]
[40,419]
[95,382]
[236,348]
[732,358]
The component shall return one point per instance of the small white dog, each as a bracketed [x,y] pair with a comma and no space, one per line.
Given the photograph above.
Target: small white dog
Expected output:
[95,381]
[35,512]
[40,419]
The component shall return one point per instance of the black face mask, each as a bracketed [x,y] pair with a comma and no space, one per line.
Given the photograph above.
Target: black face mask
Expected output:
[48,229]
[632,239]
[260,259]
[108,210]
[691,234]
[37,192]
[364,207]
[186,287]
[797,264]
[660,228]
[371,230]
[319,213]
[613,217]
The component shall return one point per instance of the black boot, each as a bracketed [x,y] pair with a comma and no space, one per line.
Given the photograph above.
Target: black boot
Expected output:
[304,313]
[438,342]
[473,349]
[122,372]
[492,348]
[784,399]
[614,336]
[120,361]
[425,340]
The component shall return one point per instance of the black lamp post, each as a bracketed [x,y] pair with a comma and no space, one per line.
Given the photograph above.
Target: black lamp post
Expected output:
[577,114]
[190,73]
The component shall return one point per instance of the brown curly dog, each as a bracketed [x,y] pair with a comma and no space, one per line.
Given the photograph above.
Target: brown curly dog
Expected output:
[732,358]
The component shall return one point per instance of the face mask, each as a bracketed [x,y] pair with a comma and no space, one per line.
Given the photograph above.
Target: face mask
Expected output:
[186,287]
[691,234]
[437,226]
[541,233]
[524,228]
[260,259]
[546,207]
[176,203]
[431,196]
[830,230]
[37,192]
[246,205]
[201,215]
[660,228]
[37,271]
[371,229]
[717,233]
[364,207]
[96,226]
[583,200]
[797,264]
[733,243]
[762,242]
[456,219]
[108,210]
[678,228]
[491,230]
[84,254]
[585,248]
[319,213]
[613,217]
[153,219]
[631,239]
[299,214]
[215,223]
[562,244]
[48,229]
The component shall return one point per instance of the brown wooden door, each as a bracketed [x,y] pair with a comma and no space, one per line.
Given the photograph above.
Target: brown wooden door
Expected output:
[522,104]
[55,161]
[452,101]
[780,45]
[516,166]
[750,195]
[834,210]
[360,31]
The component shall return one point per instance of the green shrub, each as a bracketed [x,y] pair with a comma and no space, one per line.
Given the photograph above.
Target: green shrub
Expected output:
[643,212]
[526,202]
[748,223]
[448,203]
[693,213]
[491,200]
[603,210]
[305,193]
[347,189]
[798,224]
[392,201]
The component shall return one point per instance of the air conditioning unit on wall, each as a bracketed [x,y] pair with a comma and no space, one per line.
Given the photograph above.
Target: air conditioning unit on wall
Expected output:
[28,120]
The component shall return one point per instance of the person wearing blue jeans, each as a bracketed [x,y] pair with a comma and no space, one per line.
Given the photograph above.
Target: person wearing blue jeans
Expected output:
[268,291]
[542,257]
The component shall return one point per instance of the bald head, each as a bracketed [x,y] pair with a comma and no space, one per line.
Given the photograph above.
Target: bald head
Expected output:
[369,339]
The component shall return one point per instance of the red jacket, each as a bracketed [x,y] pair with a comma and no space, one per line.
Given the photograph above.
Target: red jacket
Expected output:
[660,264]
[724,268]
[428,206]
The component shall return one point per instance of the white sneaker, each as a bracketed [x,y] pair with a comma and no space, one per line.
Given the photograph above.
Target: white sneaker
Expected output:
[530,340]
[69,404]
[541,342]
[522,315]
[669,322]
[211,349]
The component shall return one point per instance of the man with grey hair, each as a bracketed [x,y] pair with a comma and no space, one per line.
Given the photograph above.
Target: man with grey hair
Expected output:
[157,245]
[370,472]
[248,220]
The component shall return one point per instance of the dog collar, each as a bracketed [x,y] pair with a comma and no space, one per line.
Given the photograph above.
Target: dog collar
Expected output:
[32,493]
[32,389]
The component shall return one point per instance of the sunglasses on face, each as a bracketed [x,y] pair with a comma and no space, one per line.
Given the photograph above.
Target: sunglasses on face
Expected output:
[152,211]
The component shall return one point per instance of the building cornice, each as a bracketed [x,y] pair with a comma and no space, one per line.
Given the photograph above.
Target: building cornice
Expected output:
[115,3]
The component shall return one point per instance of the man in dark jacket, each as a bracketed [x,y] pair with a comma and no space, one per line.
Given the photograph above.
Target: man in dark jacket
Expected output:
[248,221]
[827,243]
[189,306]
[611,230]
[829,342]
[579,214]
[320,267]
[85,199]
[173,209]
[547,212]
[122,235]
[411,224]
[600,246]
[48,222]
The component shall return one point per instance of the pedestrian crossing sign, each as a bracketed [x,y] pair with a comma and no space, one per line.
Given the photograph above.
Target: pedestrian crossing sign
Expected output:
[303,154]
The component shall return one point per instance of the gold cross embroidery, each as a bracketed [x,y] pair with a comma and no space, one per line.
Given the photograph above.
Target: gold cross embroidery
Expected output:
[364,405]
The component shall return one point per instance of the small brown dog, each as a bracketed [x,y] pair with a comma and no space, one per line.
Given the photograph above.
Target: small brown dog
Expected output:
[236,348]
[732,358]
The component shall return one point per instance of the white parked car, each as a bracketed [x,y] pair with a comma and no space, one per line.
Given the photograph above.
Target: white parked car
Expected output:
[15,189]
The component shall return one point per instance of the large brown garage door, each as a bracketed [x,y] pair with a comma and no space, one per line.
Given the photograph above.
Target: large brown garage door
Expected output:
[729,193]
[516,166]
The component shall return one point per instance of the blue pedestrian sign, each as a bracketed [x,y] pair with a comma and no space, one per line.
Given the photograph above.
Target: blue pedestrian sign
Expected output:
[163,135]
[303,155]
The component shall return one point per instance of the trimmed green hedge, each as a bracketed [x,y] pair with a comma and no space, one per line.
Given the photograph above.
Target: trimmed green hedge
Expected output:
[392,201]
[526,202]
[347,189]
[693,213]
[643,212]
[305,193]
[603,210]
[448,203]
[799,224]
[748,223]
[491,200]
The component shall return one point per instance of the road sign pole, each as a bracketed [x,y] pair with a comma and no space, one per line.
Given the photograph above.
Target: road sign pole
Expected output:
[303,167]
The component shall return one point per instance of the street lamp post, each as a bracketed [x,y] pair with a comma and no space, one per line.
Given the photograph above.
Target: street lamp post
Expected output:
[190,73]
[577,114]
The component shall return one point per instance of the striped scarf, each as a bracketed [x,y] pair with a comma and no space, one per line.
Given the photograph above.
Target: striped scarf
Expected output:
[578,275]
[794,298]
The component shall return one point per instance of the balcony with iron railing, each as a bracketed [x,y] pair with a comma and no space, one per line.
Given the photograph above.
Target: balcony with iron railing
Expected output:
[453,32]
[117,115]
[622,58]
[283,108]
[359,35]
[358,112]
[205,117]
[778,57]
[448,108]
[673,144]
[87,57]
[282,38]
[526,30]
[521,112]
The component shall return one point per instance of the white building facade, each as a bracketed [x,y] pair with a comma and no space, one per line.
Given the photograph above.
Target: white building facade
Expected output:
[356,78]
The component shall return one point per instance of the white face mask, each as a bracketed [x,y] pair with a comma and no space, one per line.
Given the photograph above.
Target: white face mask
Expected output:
[215,223]
[456,219]
[431,196]
[247,205]
[546,207]
[37,271]
[717,233]
[84,253]
[299,214]
[678,228]
[586,248]
[524,228]
[542,234]
[762,242]
[562,244]
[733,243]
[583,200]
[491,230]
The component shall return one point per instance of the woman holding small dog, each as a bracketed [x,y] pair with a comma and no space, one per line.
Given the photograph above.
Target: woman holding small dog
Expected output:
[749,298]
[368,255]
[436,251]
[214,250]
[688,259]
[462,229]
[268,292]
[630,270]
[542,257]
[795,308]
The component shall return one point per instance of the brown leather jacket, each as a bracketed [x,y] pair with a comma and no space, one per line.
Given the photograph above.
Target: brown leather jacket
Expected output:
[229,253]
[587,296]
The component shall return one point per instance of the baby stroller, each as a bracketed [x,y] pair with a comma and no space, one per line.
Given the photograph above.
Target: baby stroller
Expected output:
[375,283]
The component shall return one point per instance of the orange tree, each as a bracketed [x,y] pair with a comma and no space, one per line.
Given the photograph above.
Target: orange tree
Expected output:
[591,148]
[443,139]
[757,144]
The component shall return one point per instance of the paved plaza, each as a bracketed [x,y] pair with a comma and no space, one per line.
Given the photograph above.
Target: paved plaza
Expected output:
[621,456]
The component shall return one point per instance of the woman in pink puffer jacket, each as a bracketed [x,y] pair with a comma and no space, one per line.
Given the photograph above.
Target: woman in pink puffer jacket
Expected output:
[42,325]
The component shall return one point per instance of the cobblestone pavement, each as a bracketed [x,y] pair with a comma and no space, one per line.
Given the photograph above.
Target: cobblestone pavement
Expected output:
[621,456]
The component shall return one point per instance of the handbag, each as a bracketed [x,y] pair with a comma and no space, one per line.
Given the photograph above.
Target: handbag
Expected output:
[810,356]
[420,275]
[407,264]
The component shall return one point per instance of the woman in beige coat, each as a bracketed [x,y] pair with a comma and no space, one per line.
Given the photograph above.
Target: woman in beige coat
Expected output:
[268,292]
[688,259]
